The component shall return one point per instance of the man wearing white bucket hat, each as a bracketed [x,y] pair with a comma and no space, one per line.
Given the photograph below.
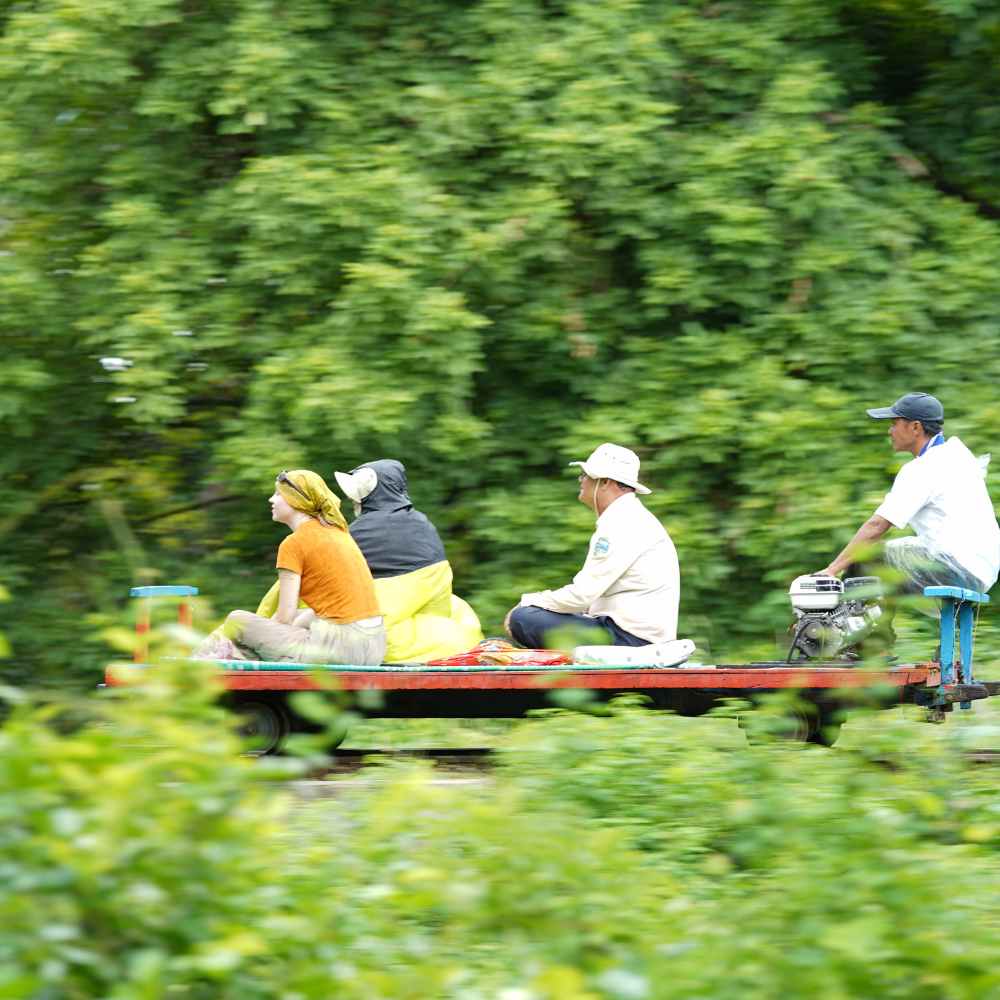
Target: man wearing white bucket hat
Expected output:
[630,583]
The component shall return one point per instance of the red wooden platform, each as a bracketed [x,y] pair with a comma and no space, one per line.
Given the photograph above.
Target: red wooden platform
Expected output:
[724,677]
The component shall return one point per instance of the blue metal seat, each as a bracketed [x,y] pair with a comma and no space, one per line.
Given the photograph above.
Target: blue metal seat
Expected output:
[142,622]
[173,590]
[957,602]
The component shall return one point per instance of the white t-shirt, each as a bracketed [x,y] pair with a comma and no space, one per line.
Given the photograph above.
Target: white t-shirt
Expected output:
[631,575]
[942,496]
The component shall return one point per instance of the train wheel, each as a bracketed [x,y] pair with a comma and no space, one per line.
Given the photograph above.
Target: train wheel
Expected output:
[263,725]
[330,725]
[826,727]
[336,736]
[804,724]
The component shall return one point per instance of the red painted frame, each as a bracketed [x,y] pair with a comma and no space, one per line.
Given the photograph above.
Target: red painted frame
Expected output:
[721,678]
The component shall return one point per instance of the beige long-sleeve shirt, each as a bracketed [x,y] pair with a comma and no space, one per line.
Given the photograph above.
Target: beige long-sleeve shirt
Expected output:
[631,575]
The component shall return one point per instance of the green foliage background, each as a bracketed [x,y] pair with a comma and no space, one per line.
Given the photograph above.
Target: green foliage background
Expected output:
[480,237]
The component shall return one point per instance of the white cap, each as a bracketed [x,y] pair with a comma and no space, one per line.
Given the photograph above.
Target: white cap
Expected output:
[612,461]
[357,485]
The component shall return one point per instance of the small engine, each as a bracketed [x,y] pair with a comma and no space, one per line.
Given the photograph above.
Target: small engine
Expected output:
[832,616]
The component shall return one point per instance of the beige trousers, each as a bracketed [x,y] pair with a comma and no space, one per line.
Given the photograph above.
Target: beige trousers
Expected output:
[309,639]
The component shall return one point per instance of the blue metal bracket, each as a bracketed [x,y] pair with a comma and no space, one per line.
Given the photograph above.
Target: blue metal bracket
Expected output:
[956,603]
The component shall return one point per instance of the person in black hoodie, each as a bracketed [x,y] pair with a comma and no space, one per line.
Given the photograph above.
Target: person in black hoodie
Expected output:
[393,536]
[413,578]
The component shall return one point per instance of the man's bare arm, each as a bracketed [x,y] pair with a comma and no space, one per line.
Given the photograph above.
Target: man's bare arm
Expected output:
[871,531]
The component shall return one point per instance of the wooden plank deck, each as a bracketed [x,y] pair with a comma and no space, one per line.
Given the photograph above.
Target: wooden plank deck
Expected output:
[249,676]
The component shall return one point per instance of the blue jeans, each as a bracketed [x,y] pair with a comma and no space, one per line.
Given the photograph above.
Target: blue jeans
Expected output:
[529,625]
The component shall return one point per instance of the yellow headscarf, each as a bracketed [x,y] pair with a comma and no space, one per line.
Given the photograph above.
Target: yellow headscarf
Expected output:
[306,491]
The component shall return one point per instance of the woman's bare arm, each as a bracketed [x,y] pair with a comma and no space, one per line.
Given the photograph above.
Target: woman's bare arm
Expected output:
[288,596]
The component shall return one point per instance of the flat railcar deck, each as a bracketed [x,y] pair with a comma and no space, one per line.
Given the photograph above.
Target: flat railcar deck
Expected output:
[238,675]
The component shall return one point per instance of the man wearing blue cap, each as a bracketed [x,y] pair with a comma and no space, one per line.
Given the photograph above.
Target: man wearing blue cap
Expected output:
[942,496]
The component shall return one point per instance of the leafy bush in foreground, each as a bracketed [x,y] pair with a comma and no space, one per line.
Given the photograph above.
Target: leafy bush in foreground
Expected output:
[633,855]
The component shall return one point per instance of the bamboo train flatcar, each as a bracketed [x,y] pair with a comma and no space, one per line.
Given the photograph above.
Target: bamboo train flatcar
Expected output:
[261,690]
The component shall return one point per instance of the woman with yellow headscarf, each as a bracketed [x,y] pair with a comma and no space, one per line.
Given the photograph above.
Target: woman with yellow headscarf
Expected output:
[320,565]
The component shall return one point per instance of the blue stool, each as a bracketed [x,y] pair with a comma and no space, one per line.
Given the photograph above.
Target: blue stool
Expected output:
[956,601]
[142,622]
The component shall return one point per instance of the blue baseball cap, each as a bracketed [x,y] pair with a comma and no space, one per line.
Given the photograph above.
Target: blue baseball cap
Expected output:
[912,406]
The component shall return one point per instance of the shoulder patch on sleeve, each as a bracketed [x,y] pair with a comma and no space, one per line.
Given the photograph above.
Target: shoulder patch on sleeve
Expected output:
[601,547]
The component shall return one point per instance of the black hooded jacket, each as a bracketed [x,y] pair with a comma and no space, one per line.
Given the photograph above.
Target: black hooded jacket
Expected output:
[393,537]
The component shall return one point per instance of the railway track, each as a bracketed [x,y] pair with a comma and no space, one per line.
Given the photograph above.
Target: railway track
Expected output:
[478,758]
[452,767]
[444,758]
[466,766]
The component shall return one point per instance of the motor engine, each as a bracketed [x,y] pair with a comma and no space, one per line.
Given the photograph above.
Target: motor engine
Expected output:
[832,616]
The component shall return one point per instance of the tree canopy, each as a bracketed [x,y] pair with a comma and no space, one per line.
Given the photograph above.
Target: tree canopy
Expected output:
[238,236]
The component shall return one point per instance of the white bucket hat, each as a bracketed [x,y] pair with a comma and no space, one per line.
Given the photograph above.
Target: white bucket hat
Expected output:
[612,461]
[357,485]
